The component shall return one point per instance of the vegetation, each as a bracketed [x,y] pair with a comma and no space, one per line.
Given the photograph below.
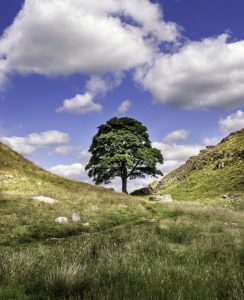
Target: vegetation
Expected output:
[122,148]
[123,247]
[216,172]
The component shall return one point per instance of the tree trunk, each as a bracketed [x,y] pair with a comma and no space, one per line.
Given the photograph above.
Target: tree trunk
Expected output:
[124,185]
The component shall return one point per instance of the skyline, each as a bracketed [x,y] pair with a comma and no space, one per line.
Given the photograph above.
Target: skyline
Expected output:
[66,68]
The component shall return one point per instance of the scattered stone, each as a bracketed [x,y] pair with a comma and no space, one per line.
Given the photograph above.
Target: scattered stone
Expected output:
[220,165]
[8,176]
[61,220]
[234,198]
[75,217]
[161,198]
[45,199]
[86,224]
[122,206]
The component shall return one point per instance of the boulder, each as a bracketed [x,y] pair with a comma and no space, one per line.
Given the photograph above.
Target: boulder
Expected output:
[161,198]
[143,192]
[45,199]
[61,220]
[75,217]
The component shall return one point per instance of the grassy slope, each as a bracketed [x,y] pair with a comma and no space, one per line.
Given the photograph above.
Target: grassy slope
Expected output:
[133,249]
[198,178]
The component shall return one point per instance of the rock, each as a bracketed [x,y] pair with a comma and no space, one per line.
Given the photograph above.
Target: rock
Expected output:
[122,206]
[61,220]
[235,198]
[86,224]
[45,199]
[143,192]
[162,198]
[220,165]
[75,217]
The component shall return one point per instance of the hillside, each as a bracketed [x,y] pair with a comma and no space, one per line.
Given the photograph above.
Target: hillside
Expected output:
[215,172]
[120,247]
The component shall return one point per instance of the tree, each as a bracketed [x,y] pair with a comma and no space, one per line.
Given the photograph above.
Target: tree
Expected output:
[121,148]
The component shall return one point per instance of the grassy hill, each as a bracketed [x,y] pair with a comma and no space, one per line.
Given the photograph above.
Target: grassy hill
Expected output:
[216,171]
[122,248]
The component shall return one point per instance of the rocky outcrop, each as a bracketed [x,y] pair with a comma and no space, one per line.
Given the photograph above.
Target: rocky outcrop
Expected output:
[143,192]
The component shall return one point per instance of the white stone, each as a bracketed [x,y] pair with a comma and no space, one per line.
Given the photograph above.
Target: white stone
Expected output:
[122,206]
[75,217]
[86,224]
[44,199]
[61,220]
[161,198]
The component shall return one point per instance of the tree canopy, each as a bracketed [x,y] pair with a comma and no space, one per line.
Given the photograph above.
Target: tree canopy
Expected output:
[122,148]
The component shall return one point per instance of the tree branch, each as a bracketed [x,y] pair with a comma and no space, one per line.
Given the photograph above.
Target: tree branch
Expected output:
[133,169]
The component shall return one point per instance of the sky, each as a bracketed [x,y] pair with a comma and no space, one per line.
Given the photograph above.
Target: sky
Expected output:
[68,66]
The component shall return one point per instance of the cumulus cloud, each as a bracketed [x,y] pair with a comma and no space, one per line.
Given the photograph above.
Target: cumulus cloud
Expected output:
[124,106]
[80,104]
[47,138]
[53,37]
[84,155]
[175,155]
[63,150]
[232,122]
[209,73]
[211,141]
[100,85]
[74,171]
[29,144]
[176,135]
[18,144]
[96,85]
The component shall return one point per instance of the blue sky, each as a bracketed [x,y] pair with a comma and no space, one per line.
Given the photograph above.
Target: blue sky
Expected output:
[66,67]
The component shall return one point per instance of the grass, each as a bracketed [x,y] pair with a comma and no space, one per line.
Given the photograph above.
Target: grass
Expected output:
[199,179]
[132,248]
[164,252]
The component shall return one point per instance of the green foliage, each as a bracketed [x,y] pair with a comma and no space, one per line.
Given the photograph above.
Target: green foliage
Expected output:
[122,148]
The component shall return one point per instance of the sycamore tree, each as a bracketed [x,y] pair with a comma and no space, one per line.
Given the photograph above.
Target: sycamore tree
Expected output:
[122,148]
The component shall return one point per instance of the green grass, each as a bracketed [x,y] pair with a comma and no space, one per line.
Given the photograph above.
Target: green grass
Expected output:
[199,180]
[132,249]
[146,251]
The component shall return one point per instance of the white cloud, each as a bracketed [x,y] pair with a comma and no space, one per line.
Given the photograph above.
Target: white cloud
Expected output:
[63,150]
[176,135]
[175,155]
[84,156]
[124,106]
[232,122]
[48,138]
[53,37]
[98,85]
[209,73]
[211,141]
[80,104]
[29,144]
[18,144]
[74,171]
